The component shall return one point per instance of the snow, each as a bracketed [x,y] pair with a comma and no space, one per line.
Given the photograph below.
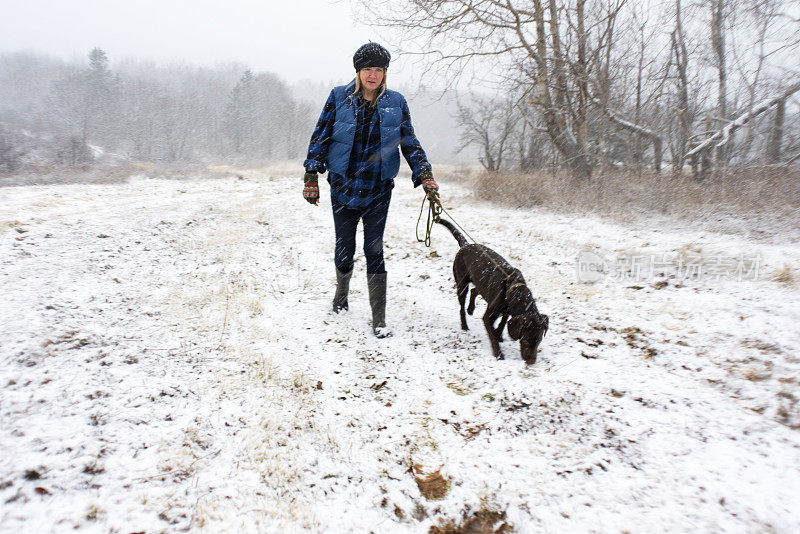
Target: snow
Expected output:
[169,361]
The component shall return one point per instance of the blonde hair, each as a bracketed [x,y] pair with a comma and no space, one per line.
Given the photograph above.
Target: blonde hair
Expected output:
[381,89]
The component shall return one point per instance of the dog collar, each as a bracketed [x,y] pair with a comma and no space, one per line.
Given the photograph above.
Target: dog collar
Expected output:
[513,286]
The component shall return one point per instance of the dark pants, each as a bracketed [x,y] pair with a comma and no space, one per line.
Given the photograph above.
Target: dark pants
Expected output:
[345,220]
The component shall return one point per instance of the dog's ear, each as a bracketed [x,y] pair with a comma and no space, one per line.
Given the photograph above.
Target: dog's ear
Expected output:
[544,322]
[515,325]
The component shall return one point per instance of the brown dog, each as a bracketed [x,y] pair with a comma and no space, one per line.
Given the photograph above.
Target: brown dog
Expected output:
[503,288]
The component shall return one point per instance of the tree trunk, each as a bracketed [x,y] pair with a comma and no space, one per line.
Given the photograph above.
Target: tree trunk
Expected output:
[718,45]
[582,80]
[681,65]
[553,95]
[776,134]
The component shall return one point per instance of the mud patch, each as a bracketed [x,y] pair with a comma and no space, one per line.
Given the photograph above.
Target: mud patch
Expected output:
[432,484]
[482,522]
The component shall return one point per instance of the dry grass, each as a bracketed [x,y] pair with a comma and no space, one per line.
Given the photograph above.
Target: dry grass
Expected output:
[58,175]
[784,275]
[483,522]
[754,197]
[120,172]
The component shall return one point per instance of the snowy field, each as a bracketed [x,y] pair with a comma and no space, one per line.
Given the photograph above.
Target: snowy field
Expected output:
[168,362]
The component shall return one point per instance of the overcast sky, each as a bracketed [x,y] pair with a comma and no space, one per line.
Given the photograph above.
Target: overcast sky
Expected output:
[296,39]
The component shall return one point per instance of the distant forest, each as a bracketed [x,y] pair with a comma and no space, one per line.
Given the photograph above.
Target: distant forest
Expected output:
[53,112]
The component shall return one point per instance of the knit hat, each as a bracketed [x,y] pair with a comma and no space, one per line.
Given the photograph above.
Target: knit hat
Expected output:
[371,55]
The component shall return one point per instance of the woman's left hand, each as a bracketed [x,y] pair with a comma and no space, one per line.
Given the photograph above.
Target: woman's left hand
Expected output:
[430,186]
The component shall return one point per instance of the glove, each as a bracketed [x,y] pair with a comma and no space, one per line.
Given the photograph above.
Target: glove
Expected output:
[429,185]
[311,188]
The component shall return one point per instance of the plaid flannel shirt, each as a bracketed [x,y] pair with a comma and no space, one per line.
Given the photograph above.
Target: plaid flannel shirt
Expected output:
[362,182]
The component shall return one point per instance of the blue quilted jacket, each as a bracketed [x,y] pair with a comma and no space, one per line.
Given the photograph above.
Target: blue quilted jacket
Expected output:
[332,140]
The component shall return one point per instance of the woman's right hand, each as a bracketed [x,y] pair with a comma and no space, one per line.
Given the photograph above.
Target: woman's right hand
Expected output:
[311,188]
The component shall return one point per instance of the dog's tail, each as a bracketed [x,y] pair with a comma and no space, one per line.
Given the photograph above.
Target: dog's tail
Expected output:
[462,241]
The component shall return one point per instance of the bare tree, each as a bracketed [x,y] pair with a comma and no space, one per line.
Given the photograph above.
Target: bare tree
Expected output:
[752,54]
[488,124]
[718,27]
[532,38]
[565,51]
[610,106]
[723,136]
[680,60]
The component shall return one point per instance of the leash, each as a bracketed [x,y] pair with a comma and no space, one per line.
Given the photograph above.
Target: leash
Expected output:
[435,210]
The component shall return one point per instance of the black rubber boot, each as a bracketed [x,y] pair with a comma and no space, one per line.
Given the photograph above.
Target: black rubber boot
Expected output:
[376,283]
[342,289]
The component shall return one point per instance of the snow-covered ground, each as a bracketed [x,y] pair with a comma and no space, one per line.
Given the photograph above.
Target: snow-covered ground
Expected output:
[168,361]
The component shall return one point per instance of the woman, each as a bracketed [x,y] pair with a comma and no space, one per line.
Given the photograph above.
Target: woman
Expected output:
[356,140]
